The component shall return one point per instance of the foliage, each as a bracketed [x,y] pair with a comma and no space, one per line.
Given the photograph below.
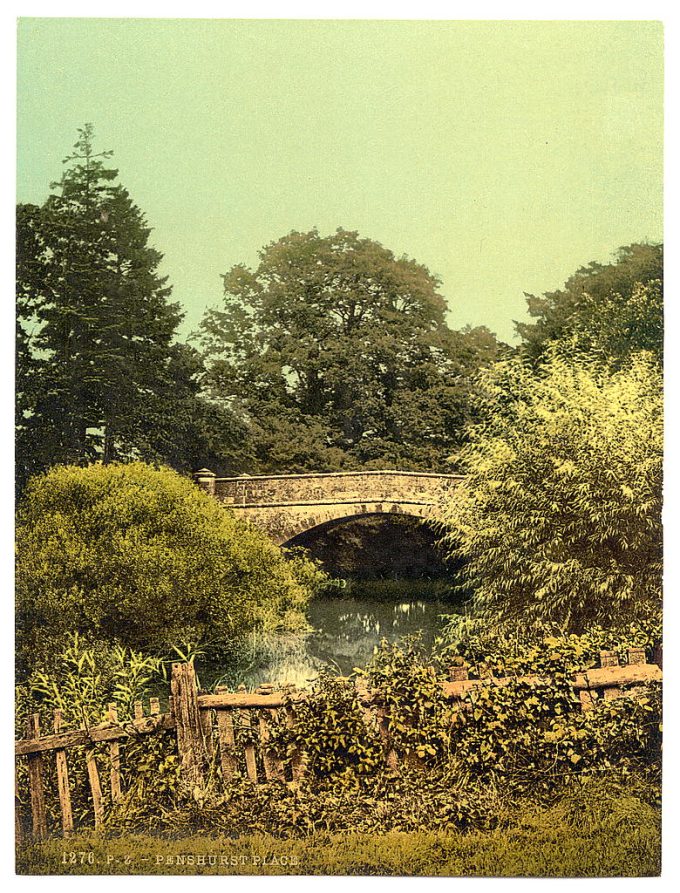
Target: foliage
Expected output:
[393,592]
[418,716]
[608,310]
[531,733]
[519,758]
[87,677]
[141,556]
[559,516]
[99,375]
[331,729]
[30,272]
[528,736]
[84,679]
[485,651]
[338,355]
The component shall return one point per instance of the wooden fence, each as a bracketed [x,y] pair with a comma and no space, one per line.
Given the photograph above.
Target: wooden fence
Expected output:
[238,726]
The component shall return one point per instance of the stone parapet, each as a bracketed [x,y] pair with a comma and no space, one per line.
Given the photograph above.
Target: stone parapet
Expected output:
[288,505]
[365,486]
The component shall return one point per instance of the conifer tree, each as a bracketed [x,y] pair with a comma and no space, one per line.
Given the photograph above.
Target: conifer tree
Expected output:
[99,375]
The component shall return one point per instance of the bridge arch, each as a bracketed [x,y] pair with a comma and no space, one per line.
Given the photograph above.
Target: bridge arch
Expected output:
[286,506]
[332,517]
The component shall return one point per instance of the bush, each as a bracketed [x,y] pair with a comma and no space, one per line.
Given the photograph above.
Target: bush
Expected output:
[528,737]
[488,651]
[531,735]
[331,730]
[559,516]
[141,556]
[85,678]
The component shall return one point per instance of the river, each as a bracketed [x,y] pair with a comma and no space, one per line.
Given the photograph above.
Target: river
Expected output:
[345,632]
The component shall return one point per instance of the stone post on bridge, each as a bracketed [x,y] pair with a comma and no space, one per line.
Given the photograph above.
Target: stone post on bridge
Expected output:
[205,479]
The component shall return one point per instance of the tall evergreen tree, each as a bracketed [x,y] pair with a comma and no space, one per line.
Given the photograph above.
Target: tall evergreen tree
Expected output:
[99,374]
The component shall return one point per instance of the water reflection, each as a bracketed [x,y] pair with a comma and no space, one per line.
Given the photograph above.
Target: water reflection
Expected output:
[345,634]
[347,630]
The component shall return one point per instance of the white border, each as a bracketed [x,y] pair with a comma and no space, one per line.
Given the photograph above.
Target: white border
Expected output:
[368,9]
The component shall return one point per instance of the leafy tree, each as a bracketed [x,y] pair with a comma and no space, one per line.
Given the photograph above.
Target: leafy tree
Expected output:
[142,556]
[99,374]
[609,310]
[338,355]
[559,518]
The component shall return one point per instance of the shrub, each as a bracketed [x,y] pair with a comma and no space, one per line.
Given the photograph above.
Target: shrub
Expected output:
[87,676]
[559,516]
[531,734]
[331,730]
[418,715]
[142,556]
[489,651]
[528,737]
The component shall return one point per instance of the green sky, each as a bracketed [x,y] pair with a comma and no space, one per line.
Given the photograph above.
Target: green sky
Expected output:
[500,154]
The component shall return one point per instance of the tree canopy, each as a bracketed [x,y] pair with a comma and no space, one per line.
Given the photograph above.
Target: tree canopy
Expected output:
[338,354]
[559,516]
[139,555]
[99,373]
[608,310]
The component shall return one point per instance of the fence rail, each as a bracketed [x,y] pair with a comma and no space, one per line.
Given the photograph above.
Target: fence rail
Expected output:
[236,728]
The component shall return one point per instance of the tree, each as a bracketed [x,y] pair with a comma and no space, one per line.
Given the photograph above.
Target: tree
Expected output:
[184,429]
[337,354]
[559,517]
[608,310]
[142,556]
[100,376]
[35,443]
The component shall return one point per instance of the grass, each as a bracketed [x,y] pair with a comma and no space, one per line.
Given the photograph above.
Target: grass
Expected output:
[542,847]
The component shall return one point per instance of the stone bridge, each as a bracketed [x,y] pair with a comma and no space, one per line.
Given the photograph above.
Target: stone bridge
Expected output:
[286,506]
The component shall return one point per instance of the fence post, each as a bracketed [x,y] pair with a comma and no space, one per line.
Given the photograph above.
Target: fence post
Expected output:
[637,656]
[35,780]
[114,758]
[95,788]
[188,725]
[62,781]
[18,830]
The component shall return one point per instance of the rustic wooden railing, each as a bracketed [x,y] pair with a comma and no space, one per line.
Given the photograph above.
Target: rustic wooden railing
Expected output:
[239,725]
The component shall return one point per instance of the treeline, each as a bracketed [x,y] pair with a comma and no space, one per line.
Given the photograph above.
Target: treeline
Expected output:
[332,353]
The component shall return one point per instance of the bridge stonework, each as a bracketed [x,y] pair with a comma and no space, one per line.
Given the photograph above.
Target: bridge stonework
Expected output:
[287,505]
